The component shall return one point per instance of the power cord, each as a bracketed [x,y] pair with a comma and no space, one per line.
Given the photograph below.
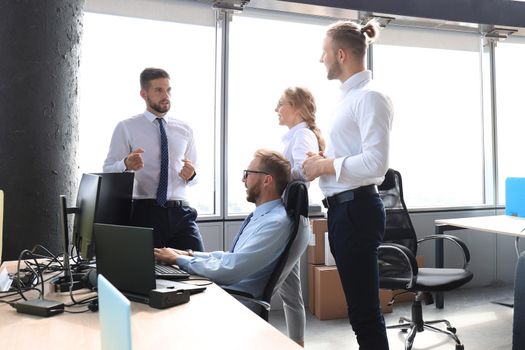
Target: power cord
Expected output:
[28,277]
[37,273]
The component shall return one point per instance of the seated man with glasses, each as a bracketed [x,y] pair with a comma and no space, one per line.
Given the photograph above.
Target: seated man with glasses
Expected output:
[247,266]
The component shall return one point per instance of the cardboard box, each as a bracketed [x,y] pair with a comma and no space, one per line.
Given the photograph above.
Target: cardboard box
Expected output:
[328,257]
[326,295]
[316,244]
[329,299]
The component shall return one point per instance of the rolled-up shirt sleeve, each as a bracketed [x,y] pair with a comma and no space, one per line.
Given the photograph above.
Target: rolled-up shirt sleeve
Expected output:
[191,154]
[118,150]
[304,142]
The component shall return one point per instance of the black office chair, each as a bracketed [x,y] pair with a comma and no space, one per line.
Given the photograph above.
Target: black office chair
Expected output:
[398,267]
[295,200]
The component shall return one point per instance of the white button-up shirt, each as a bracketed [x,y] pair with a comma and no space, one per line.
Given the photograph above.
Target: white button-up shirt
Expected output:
[359,137]
[142,131]
[298,141]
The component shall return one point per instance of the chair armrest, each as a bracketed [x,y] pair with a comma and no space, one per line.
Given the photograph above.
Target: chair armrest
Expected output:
[388,254]
[458,242]
[247,297]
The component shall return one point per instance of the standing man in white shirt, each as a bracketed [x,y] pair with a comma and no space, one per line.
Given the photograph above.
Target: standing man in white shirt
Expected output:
[161,151]
[355,162]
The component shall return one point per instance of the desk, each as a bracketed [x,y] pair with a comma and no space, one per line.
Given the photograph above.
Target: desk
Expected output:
[211,320]
[499,224]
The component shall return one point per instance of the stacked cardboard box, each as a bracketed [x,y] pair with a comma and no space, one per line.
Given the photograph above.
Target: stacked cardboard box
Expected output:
[326,298]
[316,246]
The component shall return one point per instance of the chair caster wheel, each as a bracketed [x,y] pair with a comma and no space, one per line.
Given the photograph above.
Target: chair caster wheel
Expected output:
[460,347]
[452,329]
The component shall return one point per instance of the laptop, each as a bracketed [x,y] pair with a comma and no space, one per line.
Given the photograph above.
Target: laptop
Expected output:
[114,316]
[125,257]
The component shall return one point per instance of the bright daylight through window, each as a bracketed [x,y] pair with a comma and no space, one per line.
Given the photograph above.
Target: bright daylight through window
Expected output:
[114,51]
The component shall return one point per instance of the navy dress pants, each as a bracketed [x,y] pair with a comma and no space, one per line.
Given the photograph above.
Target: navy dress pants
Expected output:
[173,227]
[355,230]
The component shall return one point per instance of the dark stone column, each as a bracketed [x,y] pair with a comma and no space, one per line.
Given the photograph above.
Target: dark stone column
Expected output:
[39,63]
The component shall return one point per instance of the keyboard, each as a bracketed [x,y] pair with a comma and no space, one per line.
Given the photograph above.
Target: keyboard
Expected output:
[170,272]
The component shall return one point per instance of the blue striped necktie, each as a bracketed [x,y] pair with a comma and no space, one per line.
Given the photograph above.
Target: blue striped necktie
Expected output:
[162,190]
[246,221]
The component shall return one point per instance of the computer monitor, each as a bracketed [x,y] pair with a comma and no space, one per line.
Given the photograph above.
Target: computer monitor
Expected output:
[64,230]
[70,280]
[102,198]
[85,210]
[87,200]
[114,202]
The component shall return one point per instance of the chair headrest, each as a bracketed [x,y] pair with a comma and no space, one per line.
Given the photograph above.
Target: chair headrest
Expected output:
[389,182]
[295,197]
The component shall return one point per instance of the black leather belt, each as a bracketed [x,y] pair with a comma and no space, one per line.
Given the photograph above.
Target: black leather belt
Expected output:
[169,204]
[349,195]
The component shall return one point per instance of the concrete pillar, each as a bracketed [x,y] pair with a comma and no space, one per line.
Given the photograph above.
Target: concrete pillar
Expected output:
[39,64]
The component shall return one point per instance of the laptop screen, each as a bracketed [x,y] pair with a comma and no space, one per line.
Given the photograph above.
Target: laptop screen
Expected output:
[125,257]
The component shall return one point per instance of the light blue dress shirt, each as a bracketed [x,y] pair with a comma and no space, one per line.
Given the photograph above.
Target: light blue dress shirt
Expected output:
[254,256]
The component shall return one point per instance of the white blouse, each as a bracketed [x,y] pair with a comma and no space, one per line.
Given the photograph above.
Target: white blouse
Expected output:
[298,141]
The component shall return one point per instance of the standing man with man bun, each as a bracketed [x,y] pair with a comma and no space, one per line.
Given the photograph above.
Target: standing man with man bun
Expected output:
[354,163]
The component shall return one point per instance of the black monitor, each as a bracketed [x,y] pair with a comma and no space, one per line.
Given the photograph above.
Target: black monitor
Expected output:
[87,200]
[71,280]
[102,198]
[85,210]
[64,230]
[114,202]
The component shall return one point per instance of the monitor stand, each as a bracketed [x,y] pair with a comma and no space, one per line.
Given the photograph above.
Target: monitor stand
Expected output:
[70,282]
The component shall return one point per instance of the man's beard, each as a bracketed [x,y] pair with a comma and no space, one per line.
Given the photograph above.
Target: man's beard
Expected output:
[253,193]
[157,106]
[334,71]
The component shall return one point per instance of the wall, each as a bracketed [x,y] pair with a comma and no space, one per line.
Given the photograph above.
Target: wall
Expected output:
[40,43]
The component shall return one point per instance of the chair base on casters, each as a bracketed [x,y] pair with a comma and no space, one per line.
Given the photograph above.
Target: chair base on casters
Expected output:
[416,325]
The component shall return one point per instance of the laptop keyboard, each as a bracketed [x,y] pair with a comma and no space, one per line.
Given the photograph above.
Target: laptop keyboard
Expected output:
[170,272]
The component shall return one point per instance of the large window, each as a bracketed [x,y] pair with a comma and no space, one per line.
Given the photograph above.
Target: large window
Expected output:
[433,78]
[114,51]
[267,55]
[510,73]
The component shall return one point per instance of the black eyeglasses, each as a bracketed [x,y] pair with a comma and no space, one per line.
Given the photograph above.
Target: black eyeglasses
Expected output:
[246,172]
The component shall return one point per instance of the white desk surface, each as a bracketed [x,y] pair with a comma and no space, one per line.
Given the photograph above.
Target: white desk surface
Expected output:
[211,320]
[502,224]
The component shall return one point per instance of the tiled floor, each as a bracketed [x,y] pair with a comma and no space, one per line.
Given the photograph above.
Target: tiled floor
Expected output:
[480,324]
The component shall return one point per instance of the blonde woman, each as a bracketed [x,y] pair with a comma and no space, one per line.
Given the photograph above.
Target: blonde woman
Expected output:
[296,110]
